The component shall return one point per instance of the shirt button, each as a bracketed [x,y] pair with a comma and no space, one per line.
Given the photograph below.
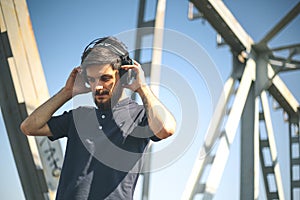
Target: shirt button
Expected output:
[100,127]
[102,116]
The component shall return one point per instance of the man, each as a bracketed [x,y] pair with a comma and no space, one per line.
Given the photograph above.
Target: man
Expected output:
[105,144]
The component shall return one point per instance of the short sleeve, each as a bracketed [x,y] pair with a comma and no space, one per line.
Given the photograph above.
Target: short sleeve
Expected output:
[59,125]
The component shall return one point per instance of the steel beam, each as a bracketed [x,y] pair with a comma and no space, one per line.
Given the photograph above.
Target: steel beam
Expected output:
[272,147]
[283,65]
[286,47]
[31,177]
[141,33]
[249,179]
[214,129]
[294,140]
[218,161]
[29,86]
[191,12]
[283,96]
[204,157]
[157,46]
[218,15]
[154,27]
[283,22]
[230,130]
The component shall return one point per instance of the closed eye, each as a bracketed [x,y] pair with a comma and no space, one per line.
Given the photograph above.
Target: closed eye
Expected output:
[104,78]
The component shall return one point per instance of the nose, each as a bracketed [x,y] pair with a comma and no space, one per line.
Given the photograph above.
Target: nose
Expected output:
[99,87]
[98,84]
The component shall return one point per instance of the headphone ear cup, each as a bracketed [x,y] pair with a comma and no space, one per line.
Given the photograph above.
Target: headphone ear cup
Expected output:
[122,72]
[123,76]
[126,60]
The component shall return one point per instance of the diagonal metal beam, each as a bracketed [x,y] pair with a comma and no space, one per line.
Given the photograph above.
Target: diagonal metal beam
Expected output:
[282,61]
[211,137]
[223,21]
[225,140]
[283,65]
[31,176]
[28,89]
[230,130]
[287,47]
[283,95]
[283,22]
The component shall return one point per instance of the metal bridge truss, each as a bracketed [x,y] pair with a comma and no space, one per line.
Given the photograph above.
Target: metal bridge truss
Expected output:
[245,101]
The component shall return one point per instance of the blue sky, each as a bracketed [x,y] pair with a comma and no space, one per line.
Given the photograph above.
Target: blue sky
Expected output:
[63,27]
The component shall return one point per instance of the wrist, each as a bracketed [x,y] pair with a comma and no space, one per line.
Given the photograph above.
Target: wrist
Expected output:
[143,89]
[66,93]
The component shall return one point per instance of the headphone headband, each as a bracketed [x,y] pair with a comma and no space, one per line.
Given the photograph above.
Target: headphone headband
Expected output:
[104,42]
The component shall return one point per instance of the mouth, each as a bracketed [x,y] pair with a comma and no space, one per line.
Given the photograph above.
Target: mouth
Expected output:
[101,94]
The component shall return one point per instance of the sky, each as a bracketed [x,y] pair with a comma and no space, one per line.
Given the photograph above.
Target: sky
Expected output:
[64,27]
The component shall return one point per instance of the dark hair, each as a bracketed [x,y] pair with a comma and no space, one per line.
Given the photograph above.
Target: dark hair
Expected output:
[106,50]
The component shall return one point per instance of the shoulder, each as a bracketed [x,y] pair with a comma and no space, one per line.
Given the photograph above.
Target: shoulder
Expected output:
[83,111]
[78,109]
[75,113]
[128,107]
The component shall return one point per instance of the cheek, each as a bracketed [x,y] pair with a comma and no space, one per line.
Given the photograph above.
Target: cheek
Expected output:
[111,85]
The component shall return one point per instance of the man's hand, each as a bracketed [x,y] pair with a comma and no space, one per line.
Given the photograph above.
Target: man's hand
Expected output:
[139,79]
[36,123]
[76,83]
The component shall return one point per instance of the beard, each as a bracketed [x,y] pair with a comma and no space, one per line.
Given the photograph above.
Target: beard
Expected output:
[105,100]
[102,99]
[103,104]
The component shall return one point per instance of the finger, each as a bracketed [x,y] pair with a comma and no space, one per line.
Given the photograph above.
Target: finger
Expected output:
[126,67]
[74,73]
[133,67]
[135,62]
[78,69]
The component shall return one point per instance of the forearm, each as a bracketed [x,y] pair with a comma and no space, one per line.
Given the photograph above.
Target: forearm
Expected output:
[37,120]
[160,120]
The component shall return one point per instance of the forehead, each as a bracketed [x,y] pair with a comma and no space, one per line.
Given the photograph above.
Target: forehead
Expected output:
[96,70]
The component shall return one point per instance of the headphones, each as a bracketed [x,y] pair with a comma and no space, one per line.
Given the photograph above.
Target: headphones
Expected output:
[113,45]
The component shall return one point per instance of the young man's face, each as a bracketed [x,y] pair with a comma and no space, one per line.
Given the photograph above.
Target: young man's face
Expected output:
[103,80]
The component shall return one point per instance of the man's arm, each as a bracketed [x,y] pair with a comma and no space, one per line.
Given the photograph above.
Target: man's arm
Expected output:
[160,120]
[36,123]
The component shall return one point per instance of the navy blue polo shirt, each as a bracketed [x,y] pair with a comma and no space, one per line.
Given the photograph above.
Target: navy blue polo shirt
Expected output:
[104,152]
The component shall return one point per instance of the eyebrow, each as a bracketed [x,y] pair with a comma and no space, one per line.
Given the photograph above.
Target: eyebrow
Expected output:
[103,75]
